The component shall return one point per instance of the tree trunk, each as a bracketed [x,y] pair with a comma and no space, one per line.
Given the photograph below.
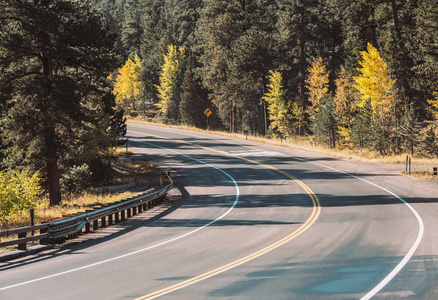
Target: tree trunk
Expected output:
[303,69]
[396,22]
[372,28]
[49,135]
[52,168]
[265,115]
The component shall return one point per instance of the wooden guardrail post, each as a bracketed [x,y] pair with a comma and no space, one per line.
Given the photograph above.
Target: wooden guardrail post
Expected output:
[58,229]
[87,227]
[22,246]
[128,212]
[46,240]
[116,217]
[95,225]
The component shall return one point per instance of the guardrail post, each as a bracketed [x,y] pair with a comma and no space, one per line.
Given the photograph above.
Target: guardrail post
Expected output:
[95,225]
[87,227]
[46,240]
[32,219]
[22,246]
[59,230]
[116,217]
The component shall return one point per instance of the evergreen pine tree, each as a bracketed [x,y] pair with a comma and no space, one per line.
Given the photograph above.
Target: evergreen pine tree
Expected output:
[325,122]
[132,28]
[193,99]
[430,143]
[362,131]
[409,129]
[54,60]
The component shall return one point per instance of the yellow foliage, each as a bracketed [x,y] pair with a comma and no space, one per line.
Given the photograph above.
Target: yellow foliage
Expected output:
[19,191]
[433,106]
[317,82]
[277,106]
[345,133]
[345,105]
[374,82]
[128,85]
[170,72]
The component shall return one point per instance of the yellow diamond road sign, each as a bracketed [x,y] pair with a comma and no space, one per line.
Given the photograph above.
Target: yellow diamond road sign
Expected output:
[207,112]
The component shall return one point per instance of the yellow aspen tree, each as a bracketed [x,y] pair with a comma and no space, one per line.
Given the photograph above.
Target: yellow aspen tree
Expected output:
[170,76]
[433,106]
[345,105]
[374,82]
[277,105]
[128,85]
[317,83]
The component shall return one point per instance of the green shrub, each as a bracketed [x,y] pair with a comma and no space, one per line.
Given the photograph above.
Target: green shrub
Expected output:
[19,192]
[77,179]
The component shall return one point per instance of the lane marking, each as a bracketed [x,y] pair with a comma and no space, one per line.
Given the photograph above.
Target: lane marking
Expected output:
[257,153]
[316,211]
[411,251]
[150,247]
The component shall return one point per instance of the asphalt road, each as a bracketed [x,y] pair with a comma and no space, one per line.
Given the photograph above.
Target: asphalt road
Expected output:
[255,222]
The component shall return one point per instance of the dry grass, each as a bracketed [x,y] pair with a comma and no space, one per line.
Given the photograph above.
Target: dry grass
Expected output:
[72,205]
[134,172]
[44,213]
[425,174]
[125,171]
[304,143]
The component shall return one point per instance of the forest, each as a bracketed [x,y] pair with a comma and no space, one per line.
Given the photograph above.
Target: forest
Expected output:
[345,74]
[357,74]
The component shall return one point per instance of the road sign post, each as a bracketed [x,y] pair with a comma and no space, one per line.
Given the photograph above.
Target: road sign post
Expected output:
[207,112]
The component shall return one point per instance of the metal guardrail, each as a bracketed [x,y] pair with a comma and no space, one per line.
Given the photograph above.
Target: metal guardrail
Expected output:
[22,235]
[107,215]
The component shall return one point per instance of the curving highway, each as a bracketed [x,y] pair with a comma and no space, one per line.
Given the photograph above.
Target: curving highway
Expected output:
[254,222]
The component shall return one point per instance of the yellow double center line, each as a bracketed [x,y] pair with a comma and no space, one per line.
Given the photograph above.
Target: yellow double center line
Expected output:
[312,219]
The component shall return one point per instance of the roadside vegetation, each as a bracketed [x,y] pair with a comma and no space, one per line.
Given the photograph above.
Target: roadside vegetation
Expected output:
[420,166]
[20,192]
[351,79]
[346,78]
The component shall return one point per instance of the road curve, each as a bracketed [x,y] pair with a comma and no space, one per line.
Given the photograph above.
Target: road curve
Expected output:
[255,222]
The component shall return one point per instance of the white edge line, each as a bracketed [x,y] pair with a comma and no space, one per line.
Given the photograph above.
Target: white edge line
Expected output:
[411,251]
[150,247]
